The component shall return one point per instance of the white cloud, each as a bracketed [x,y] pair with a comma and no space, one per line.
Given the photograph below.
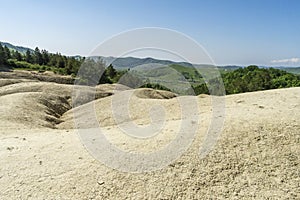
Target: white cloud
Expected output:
[286,61]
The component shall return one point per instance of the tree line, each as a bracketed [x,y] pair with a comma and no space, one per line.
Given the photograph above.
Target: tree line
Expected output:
[42,60]
[251,78]
[248,79]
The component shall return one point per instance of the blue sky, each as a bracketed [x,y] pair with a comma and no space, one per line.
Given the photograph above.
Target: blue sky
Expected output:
[242,32]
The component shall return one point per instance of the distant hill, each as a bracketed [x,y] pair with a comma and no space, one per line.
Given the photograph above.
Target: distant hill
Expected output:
[293,70]
[131,62]
[230,67]
[16,48]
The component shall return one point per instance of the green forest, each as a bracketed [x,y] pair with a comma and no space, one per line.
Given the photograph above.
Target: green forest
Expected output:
[252,78]
[42,60]
[248,79]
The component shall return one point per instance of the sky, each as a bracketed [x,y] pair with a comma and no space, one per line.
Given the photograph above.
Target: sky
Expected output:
[235,32]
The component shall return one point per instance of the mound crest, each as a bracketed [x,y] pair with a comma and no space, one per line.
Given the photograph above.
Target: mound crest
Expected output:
[147,93]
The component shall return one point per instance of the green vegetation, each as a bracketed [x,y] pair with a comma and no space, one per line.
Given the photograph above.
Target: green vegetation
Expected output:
[251,79]
[189,73]
[95,72]
[44,61]
[293,70]
[39,60]
[155,86]
[177,77]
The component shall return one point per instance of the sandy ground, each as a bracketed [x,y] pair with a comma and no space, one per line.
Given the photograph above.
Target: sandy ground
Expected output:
[42,157]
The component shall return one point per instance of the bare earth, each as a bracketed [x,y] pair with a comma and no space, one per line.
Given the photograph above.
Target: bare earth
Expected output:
[42,157]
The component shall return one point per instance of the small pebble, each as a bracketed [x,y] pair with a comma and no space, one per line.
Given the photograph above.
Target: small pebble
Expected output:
[100,182]
[10,148]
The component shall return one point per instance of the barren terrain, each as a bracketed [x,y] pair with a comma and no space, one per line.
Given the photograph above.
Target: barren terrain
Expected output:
[42,157]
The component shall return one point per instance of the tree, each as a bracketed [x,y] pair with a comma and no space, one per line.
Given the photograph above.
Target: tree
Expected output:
[253,78]
[61,62]
[16,55]
[200,89]
[2,55]
[186,76]
[7,53]
[45,56]
[53,58]
[92,73]
[251,68]
[28,57]
[38,58]
[71,66]
[111,72]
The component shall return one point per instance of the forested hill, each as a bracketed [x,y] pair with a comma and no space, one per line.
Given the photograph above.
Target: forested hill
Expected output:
[239,80]
[20,49]
[253,78]
[40,60]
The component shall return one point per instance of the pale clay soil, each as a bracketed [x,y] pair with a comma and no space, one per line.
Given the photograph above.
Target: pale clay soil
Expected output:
[257,154]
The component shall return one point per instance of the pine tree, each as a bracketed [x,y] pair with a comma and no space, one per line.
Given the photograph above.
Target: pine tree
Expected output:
[61,62]
[111,72]
[2,55]
[7,53]
[46,57]
[38,58]
[28,57]
[16,55]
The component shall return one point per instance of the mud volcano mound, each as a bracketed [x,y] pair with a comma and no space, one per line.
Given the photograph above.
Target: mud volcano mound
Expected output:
[42,157]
